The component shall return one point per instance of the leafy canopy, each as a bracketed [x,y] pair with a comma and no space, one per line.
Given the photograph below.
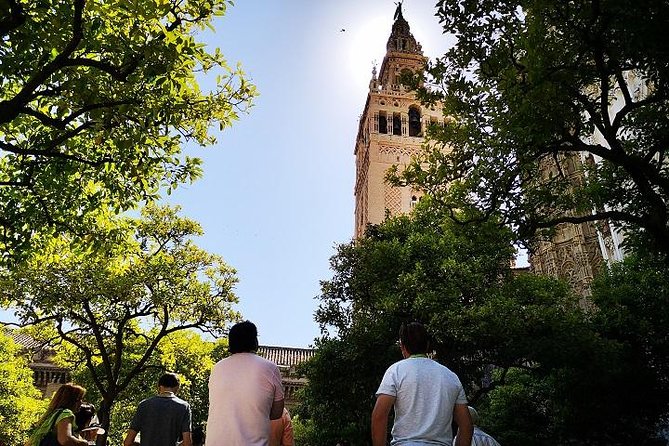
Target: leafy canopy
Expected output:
[97,99]
[20,402]
[112,305]
[185,352]
[579,88]
[457,280]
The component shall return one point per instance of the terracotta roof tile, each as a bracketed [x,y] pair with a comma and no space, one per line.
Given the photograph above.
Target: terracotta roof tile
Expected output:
[24,340]
[286,356]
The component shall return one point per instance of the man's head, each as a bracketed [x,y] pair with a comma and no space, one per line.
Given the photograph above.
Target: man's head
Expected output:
[169,382]
[243,338]
[414,338]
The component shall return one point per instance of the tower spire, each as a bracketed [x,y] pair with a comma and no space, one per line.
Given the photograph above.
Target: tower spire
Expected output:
[401,39]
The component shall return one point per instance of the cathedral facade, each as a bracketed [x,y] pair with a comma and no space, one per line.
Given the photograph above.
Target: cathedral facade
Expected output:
[575,252]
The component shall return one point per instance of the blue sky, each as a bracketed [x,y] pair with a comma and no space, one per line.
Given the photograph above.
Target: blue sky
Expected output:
[277,191]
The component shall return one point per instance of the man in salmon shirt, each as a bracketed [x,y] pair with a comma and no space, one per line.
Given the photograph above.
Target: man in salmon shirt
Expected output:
[245,393]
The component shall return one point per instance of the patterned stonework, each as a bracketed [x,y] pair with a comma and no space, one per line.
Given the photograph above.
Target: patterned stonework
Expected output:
[576,252]
[392,200]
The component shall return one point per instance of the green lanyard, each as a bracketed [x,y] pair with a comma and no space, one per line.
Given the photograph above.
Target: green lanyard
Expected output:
[418,356]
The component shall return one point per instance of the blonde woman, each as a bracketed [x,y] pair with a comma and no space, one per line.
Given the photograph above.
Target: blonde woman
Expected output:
[57,425]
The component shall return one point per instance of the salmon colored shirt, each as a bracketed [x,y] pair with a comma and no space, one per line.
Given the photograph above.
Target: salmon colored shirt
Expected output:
[242,389]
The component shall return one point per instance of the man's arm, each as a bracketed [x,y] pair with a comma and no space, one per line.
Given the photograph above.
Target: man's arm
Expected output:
[465,426]
[276,432]
[277,410]
[129,438]
[380,419]
[187,439]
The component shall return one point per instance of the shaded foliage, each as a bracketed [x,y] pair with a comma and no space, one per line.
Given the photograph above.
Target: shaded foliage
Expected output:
[579,86]
[485,322]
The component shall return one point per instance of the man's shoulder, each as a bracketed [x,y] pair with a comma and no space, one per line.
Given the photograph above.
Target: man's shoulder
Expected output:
[162,400]
[244,360]
[426,365]
[179,401]
[148,401]
[440,367]
[420,363]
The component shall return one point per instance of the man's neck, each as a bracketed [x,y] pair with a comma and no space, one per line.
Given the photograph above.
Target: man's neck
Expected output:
[166,392]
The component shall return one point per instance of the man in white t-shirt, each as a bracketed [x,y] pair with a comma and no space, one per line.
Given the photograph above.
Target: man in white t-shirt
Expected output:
[426,395]
[245,393]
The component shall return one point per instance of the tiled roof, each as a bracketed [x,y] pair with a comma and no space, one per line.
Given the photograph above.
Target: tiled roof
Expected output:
[281,356]
[286,356]
[24,340]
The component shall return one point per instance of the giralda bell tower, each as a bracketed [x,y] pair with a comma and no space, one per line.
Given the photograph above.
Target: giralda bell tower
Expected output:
[390,131]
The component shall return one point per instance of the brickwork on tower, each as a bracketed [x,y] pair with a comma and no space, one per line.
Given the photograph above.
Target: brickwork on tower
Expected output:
[391,130]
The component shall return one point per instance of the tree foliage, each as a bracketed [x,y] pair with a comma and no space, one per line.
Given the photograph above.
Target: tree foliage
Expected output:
[115,304]
[20,403]
[543,366]
[96,100]
[632,298]
[456,279]
[580,86]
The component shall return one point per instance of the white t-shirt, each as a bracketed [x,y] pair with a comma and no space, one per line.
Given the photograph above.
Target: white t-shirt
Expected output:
[242,389]
[425,394]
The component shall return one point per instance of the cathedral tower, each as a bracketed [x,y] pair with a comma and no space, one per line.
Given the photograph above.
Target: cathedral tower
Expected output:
[390,131]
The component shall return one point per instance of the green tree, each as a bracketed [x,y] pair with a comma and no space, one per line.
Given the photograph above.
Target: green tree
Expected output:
[589,401]
[97,99]
[454,278]
[532,82]
[20,402]
[113,305]
[632,298]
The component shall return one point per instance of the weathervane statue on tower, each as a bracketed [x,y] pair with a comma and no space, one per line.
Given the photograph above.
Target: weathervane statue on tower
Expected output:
[398,11]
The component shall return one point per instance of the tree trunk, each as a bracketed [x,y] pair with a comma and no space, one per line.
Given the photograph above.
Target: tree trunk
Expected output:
[104,416]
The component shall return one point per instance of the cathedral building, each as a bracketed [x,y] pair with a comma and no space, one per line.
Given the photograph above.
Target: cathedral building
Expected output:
[391,130]
[575,252]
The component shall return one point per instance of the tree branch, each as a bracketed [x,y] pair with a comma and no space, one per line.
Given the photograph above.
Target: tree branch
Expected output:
[595,216]
[115,72]
[9,109]
[16,18]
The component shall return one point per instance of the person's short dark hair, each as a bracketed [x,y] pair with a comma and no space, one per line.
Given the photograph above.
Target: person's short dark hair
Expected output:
[169,380]
[414,337]
[84,415]
[243,338]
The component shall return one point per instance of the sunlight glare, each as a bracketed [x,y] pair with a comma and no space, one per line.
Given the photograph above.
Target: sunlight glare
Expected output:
[367,45]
